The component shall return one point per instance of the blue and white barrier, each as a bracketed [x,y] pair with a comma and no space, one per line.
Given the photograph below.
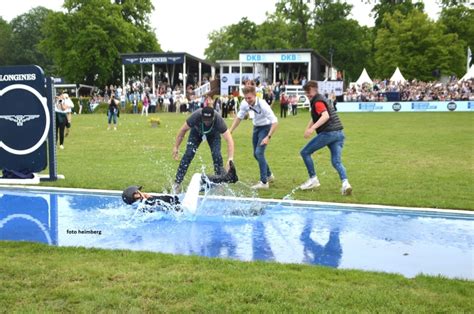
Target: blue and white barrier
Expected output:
[405,106]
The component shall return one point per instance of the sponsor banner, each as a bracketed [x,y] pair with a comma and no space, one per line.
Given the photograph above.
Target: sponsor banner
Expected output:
[405,106]
[232,80]
[25,118]
[153,59]
[275,57]
[328,87]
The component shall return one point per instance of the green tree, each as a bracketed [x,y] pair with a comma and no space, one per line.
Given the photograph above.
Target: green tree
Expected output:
[417,46]
[86,42]
[459,20]
[383,7]
[136,12]
[297,15]
[5,42]
[229,40]
[344,38]
[26,35]
[274,33]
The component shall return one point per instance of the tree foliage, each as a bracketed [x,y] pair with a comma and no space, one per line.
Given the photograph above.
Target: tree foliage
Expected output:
[459,20]
[86,42]
[417,46]
[229,40]
[5,42]
[26,35]
[390,6]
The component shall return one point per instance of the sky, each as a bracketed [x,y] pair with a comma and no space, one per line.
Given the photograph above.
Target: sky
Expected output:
[183,25]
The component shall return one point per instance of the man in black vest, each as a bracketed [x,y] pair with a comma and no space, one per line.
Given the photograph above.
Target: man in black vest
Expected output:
[325,121]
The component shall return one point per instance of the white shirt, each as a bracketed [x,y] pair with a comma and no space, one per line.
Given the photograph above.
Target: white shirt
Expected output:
[263,113]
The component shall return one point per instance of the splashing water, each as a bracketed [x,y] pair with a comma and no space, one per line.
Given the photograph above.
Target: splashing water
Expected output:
[290,196]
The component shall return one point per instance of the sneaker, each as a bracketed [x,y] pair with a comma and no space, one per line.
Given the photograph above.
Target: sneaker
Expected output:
[61,146]
[271,178]
[346,188]
[176,188]
[260,185]
[311,183]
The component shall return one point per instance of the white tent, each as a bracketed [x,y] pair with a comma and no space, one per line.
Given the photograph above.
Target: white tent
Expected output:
[397,77]
[469,74]
[364,78]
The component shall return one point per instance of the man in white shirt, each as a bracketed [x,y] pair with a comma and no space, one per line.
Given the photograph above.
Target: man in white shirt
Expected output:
[264,125]
[69,105]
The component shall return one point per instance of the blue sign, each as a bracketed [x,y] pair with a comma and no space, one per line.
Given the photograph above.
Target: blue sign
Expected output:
[255,58]
[25,119]
[29,218]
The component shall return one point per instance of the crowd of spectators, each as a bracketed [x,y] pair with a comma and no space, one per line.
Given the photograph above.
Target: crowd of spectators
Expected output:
[412,91]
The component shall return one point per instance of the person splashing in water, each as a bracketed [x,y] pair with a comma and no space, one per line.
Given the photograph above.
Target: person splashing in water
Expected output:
[167,202]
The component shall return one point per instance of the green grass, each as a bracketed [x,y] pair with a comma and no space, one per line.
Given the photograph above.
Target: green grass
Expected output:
[406,159]
[39,278]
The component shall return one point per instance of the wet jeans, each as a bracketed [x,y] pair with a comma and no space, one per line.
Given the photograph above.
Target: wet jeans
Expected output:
[194,140]
[335,141]
[259,133]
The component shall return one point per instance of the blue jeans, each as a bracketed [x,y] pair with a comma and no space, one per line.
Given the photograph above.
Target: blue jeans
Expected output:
[259,133]
[194,140]
[335,141]
[112,117]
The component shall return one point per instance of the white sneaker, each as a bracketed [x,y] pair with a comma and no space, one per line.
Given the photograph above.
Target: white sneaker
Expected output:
[311,183]
[346,188]
[61,146]
[260,185]
[271,178]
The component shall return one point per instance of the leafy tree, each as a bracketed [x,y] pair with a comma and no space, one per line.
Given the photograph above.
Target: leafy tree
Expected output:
[349,43]
[274,33]
[418,46]
[85,43]
[136,12]
[229,40]
[5,42]
[26,35]
[459,20]
[390,6]
[297,14]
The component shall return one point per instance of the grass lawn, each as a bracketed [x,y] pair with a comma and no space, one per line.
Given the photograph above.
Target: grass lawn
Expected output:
[404,159]
[39,278]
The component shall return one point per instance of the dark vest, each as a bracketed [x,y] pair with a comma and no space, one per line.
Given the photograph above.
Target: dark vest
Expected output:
[333,124]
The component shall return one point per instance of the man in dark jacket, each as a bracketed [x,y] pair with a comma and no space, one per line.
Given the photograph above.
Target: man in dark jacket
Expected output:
[325,121]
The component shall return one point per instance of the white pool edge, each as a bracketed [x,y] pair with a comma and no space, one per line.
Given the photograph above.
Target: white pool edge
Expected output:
[268,200]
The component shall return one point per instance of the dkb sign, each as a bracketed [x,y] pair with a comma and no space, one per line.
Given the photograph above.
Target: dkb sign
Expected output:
[25,118]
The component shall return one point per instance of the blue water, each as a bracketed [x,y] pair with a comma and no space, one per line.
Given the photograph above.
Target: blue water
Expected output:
[389,240]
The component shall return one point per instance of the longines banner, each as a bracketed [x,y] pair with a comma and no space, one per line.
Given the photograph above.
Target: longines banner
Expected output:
[25,119]
[153,59]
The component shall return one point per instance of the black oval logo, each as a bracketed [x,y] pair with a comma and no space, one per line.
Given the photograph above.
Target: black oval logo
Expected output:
[396,106]
[452,106]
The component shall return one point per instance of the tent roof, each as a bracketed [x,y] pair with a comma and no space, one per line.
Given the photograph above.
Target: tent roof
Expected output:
[469,74]
[397,76]
[364,78]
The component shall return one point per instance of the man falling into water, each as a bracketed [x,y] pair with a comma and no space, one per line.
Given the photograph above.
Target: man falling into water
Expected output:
[166,202]
[205,125]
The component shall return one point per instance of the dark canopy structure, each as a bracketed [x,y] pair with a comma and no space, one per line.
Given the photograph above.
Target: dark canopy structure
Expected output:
[190,67]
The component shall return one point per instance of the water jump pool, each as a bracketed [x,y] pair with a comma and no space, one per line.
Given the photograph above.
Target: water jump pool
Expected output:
[397,240]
